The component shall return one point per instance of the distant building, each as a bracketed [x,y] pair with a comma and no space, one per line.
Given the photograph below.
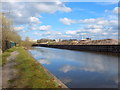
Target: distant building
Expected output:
[73,40]
[86,39]
[58,40]
[33,40]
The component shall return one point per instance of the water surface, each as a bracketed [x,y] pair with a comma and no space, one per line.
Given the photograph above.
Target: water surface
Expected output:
[78,69]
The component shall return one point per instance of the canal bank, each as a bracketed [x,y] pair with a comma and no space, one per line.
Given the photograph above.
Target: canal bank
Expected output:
[97,48]
[79,69]
[28,72]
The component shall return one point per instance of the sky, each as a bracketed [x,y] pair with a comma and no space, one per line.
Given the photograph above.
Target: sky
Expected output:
[64,20]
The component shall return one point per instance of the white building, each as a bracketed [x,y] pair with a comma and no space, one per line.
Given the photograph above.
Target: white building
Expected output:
[58,40]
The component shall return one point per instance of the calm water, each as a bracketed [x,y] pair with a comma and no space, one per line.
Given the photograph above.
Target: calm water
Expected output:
[79,69]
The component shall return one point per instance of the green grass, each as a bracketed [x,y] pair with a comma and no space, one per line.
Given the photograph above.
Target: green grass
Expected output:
[4,56]
[0,59]
[51,43]
[30,74]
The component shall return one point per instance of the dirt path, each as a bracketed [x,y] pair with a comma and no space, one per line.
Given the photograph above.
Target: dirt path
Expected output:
[0,77]
[8,72]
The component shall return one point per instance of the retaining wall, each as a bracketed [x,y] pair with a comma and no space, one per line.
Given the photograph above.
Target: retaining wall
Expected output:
[99,48]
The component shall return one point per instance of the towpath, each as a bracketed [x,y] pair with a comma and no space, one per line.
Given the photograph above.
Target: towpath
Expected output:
[8,72]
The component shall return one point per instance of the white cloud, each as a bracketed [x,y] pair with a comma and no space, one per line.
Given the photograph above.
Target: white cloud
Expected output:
[22,12]
[59,36]
[92,64]
[34,20]
[91,20]
[96,30]
[33,28]
[38,34]
[116,10]
[65,9]
[108,3]
[19,28]
[96,21]
[100,21]
[83,33]
[115,33]
[42,28]
[48,34]
[104,33]
[67,68]
[95,26]
[44,61]
[45,27]
[114,22]
[71,32]
[103,22]
[66,21]
[18,14]
[23,31]
[51,8]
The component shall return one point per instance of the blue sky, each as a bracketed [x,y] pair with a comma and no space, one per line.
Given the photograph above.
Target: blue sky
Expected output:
[69,20]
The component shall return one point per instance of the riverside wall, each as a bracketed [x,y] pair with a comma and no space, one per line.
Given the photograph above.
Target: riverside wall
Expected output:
[98,48]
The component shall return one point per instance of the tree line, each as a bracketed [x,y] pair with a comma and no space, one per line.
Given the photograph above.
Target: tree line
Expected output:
[8,33]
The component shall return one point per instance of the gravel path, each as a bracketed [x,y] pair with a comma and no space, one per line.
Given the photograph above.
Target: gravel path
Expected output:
[8,72]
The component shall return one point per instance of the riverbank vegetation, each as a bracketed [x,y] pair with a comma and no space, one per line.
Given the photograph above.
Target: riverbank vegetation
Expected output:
[6,54]
[9,34]
[29,73]
[26,43]
[79,42]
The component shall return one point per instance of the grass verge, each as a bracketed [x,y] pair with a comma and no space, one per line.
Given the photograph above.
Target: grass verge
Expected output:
[5,55]
[29,73]
[0,60]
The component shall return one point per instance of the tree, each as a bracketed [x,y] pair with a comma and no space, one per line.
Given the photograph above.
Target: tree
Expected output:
[8,32]
[27,43]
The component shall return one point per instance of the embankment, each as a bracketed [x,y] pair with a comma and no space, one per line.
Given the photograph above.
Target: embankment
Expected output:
[28,72]
[98,48]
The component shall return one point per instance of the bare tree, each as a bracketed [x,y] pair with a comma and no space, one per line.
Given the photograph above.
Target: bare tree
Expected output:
[8,32]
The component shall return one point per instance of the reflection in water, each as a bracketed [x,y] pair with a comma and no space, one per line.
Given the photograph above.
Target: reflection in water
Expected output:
[66,80]
[43,61]
[67,68]
[79,69]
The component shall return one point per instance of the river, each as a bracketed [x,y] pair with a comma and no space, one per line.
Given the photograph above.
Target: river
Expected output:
[79,69]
